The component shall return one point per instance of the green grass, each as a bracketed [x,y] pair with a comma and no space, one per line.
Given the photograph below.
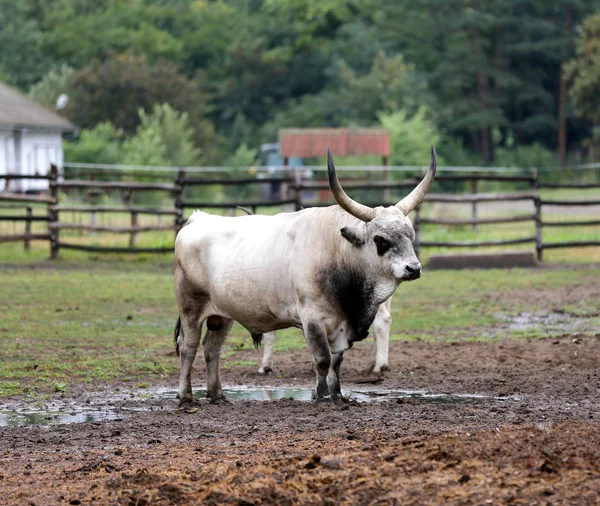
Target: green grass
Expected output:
[112,322]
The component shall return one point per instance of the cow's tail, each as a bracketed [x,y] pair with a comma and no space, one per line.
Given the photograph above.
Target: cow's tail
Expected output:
[257,340]
[178,330]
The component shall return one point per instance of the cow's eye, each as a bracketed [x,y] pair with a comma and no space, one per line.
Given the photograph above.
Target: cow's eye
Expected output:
[382,244]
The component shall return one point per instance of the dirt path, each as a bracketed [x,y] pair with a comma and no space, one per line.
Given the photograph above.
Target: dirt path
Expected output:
[540,445]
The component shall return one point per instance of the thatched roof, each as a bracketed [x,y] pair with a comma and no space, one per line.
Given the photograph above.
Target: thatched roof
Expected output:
[17,111]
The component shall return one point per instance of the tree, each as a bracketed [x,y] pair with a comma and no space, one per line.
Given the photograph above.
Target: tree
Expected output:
[51,86]
[494,66]
[77,31]
[116,89]
[410,137]
[584,70]
[21,58]
[101,144]
[164,137]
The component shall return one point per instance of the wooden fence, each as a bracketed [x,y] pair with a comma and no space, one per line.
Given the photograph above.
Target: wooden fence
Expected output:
[291,197]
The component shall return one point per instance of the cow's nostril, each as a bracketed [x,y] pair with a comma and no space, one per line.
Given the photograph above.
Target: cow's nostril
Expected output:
[413,269]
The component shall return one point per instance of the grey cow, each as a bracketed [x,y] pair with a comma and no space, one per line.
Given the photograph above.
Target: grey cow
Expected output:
[324,270]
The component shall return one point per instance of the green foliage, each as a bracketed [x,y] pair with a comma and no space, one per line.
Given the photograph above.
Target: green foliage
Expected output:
[389,86]
[584,70]
[488,72]
[101,144]
[244,156]
[164,137]
[78,31]
[51,86]
[118,87]
[21,58]
[525,157]
[411,138]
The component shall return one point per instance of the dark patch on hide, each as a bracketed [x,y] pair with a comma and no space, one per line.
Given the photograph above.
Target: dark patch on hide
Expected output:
[317,340]
[353,294]
[257,339]
[178,329]
[351,236]
[214,323]
[383,245]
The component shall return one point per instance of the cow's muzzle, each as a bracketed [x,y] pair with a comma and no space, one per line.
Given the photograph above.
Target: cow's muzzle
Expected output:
[411,271]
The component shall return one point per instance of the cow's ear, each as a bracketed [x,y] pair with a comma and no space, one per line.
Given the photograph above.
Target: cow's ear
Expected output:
[353,236]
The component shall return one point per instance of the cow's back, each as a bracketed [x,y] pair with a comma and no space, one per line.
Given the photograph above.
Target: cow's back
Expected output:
[243,264]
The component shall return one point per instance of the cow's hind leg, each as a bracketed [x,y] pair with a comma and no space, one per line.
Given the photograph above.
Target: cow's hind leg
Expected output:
[333,378]
[218,329]
[188,339]
[316,337]
[267,359]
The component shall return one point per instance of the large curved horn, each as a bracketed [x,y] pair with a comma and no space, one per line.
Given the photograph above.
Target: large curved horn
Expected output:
[360,211]
[414,198]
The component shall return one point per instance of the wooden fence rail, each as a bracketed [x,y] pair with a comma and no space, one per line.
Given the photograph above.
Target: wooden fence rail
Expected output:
[292,193]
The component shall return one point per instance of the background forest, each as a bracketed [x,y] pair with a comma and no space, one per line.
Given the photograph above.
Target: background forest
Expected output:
[205,82]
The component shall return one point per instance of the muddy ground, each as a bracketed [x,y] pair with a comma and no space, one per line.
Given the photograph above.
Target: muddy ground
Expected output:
[540,444]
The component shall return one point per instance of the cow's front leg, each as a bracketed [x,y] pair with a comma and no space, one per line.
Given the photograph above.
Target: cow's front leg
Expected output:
[333,378]
[381,345]
[316,337]
[267,359]
[218,329]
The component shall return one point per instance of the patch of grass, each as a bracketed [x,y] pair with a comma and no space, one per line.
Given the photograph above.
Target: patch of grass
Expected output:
[8,388]
[245,363]
[59,387]
[100,324]
[111,321]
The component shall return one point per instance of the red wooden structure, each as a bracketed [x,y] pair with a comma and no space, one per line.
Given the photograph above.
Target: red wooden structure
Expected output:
[309,142]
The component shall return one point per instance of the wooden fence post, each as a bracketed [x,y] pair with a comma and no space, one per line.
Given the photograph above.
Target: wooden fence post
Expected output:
[297,189]
[28,212]
[386,178]
[53,212]
[539,244]
[128,200]
[474,204]
[134,224]
[179,193]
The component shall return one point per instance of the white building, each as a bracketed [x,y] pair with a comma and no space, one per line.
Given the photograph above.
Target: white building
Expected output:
[31,139]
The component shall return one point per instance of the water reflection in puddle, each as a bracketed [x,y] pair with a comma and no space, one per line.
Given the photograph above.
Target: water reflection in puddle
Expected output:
[305,394]
[75,415]
[20,418]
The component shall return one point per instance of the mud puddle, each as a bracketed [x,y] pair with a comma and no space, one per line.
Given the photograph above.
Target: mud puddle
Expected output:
[115,407]
[306,394]
[551,323]
[30,417]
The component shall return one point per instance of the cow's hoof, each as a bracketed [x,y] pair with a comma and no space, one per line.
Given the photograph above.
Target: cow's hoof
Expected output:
[185,402]
[376,370]
[381,370]
[219,399]
[343,400]
[339,401]
[265,370]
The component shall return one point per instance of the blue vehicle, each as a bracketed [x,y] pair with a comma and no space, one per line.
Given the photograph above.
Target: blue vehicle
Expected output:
[272,161]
